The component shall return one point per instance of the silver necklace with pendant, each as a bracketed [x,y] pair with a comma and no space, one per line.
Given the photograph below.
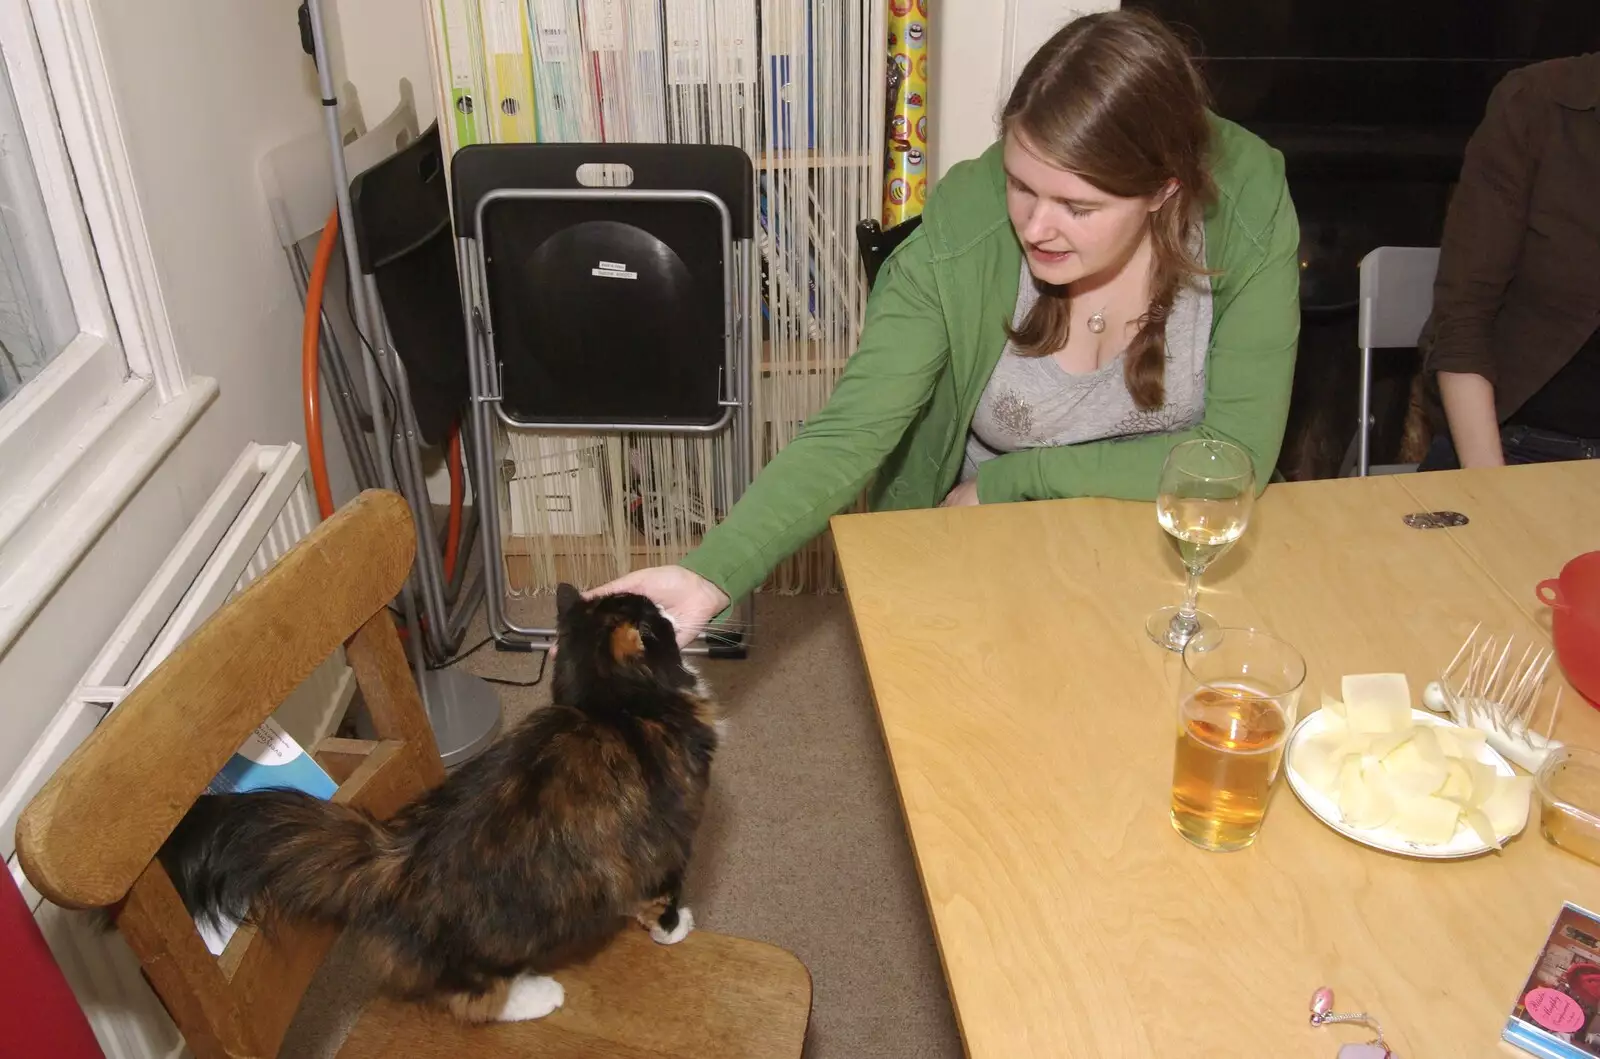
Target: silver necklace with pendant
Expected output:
[1097,322]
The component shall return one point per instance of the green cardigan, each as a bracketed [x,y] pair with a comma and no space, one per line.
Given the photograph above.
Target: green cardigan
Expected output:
[935,328]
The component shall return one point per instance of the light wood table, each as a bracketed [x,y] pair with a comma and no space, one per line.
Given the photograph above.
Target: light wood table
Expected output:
[1030,726]
[1525,523]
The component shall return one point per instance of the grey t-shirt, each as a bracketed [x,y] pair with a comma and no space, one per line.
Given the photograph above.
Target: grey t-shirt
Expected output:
[1033,402]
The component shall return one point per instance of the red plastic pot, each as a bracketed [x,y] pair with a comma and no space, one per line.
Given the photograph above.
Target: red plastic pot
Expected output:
[1574,601]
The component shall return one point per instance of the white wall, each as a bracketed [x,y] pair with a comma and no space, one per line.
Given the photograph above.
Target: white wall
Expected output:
[981,46]
[381,42]
[202,88]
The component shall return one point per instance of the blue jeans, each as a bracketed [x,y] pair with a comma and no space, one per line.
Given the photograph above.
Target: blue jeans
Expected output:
[1520,445]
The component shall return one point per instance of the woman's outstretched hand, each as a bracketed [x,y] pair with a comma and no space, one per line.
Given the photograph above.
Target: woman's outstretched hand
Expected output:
[688,600]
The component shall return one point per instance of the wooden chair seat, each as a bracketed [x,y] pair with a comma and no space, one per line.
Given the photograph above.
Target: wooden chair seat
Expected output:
[708,997]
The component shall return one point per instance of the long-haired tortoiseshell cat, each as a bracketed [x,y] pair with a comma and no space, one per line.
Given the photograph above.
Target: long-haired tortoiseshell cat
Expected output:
[581,816]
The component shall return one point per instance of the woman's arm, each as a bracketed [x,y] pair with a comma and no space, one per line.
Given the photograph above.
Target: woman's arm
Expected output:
[1249,375]
[1474,427]
[887,382]
[1478,253]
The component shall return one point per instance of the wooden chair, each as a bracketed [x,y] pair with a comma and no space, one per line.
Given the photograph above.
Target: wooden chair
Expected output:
[89,839]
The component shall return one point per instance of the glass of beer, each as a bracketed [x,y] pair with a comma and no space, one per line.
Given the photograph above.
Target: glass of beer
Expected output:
[1237,701]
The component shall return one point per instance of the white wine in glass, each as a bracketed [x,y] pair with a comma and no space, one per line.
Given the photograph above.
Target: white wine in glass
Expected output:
[1204,500]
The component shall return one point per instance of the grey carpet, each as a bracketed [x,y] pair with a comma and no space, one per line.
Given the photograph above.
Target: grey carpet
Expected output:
[802,845]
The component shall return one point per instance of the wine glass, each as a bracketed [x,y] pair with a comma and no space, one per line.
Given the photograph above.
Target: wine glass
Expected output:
[1207,489]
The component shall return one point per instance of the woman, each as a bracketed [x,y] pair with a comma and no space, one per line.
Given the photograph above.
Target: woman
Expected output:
[1118,274]
[1512,350]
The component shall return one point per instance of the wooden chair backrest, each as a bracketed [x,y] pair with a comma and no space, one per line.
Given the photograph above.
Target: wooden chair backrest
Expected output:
[89,838]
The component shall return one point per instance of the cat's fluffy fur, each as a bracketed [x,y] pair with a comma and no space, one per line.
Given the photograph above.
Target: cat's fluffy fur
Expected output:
[581,816]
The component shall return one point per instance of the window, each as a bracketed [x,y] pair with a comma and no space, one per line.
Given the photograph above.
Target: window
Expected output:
[92,395]
[36,317]
[52,289]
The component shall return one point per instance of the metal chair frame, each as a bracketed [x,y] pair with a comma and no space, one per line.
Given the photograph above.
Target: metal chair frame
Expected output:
[1396,300]
[488,407]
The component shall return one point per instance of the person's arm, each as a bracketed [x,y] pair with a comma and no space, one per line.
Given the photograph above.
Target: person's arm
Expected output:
[887,382]
[1478,253]
[1249,375]
[1474,427]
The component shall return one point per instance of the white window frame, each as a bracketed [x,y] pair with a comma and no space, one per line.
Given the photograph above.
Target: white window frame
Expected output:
[78,440]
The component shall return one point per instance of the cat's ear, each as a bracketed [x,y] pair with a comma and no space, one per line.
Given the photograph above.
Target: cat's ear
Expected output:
[567,597]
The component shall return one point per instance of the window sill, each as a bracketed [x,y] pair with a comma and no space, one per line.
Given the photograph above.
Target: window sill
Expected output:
[112,460]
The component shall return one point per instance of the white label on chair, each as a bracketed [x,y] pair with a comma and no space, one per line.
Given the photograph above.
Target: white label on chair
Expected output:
[604,175]
[613,270]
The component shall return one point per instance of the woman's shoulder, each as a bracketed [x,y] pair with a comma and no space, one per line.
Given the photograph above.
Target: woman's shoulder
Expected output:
[967,205]
[1251,186]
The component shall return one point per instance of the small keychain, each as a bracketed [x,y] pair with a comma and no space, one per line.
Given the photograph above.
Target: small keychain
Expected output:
[1322,1014]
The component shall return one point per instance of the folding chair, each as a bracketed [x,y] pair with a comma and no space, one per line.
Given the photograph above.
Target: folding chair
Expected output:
[876,243]
[1396,299]
[401,211]
[463,709]
[294,177]
[605,309]
[89,839]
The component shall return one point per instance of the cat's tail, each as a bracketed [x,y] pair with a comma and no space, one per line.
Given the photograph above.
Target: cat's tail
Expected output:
[266,854]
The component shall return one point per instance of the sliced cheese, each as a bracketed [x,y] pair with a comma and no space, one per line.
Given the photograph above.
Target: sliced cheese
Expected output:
[1426,739]
[1459,742]
[1480,823]
[1411,771]
[1424,781]
[1377,702]
[1427,820]
[1457,783]
[1507,807]
[1485,781]
[1321,758]
[1365,798]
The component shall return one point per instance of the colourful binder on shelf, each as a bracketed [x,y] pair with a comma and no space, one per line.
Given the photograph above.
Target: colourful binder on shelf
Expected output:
[513,115]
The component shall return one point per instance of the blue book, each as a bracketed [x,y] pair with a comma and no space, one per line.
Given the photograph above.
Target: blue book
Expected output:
[269,760]
[1557,1013]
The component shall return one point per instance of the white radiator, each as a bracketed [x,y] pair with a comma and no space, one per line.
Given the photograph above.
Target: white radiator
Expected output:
[262,508]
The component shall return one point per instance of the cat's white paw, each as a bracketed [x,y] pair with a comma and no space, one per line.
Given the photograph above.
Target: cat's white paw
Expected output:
[676,934]
[531,997]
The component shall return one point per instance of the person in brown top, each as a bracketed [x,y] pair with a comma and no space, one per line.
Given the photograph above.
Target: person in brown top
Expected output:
[1512,349]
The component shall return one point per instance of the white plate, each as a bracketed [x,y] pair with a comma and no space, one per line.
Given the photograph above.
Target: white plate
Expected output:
[1465,843]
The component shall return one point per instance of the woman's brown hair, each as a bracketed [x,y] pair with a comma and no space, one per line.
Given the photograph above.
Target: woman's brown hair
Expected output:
[1115,98]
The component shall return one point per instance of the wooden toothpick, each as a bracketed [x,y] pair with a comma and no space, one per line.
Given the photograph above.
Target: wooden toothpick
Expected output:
[1445,676]
[1550,727]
